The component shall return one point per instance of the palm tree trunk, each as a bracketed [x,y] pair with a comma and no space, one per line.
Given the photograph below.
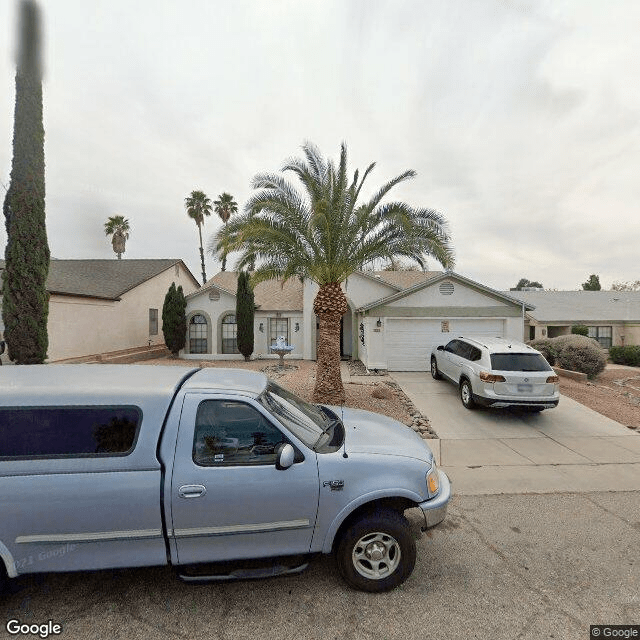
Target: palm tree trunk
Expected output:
[329,305]
[204,275]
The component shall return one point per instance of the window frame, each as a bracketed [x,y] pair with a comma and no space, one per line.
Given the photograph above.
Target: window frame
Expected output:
[608,339]
[299,456]
[234,338]
[153,322]
[273,323]
[204,326]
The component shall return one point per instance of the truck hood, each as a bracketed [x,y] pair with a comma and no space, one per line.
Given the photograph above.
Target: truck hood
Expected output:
[368,432]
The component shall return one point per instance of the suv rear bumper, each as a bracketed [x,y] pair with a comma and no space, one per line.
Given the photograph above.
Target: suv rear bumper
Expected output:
[435,510]
[507,402]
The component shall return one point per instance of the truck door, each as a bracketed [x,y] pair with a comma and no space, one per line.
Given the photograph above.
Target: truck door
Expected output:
[228,500]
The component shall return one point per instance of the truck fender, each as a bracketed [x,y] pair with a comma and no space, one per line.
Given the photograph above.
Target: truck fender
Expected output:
[8,560]
[360,501]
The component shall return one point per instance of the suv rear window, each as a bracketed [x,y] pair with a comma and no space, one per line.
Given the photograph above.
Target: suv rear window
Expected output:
[519,362]
[37,432]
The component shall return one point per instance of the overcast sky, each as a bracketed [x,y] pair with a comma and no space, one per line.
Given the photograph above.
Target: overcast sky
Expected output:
[521,118]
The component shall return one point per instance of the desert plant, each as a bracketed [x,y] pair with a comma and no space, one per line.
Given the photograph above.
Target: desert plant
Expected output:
[318,228]
[245,312]
[546,348]
[174,322]
[629,355]
[579,353]
[580,330]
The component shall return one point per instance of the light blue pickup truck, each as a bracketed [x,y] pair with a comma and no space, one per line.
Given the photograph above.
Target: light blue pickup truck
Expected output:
[219,472]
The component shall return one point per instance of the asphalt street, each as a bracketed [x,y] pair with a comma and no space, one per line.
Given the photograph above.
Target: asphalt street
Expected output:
[507,566]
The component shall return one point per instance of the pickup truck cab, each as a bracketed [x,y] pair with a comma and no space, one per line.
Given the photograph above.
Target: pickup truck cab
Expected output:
[107,466]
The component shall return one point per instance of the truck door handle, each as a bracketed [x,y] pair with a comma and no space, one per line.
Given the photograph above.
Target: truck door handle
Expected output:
[192,490]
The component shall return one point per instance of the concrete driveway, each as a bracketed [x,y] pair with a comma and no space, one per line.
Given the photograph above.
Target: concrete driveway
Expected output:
[569,448]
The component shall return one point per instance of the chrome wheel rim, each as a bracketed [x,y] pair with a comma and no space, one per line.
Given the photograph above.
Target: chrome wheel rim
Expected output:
[466,393]
[376,555]
[434,368]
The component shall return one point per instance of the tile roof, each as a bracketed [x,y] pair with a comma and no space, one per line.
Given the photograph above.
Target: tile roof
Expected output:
[270,295]
[107,279]
[582,306]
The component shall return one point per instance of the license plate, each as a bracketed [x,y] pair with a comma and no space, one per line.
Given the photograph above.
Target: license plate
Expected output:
[525,388]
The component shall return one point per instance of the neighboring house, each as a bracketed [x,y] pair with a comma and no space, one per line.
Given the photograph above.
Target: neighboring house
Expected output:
[99,306]
[393,320]
[613,317]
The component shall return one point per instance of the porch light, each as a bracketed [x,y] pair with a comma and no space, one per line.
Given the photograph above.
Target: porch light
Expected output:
[261,328]
[379,323]
[296,327]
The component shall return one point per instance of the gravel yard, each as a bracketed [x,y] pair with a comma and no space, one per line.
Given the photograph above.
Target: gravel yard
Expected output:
[615,393]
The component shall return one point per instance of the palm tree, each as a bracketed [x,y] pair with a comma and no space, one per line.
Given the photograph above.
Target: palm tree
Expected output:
[224,206]
[198,206]
[322,232]
[118,228]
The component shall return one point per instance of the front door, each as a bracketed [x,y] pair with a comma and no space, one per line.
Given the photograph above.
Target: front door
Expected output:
[228,499]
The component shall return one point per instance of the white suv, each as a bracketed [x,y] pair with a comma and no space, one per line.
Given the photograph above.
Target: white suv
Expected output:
[494,372]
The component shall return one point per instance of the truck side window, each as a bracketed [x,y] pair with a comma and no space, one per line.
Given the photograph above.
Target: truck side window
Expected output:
[69,431]
[233,433]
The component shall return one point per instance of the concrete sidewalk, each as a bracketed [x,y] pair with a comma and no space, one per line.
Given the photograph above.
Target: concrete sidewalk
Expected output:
[570,448]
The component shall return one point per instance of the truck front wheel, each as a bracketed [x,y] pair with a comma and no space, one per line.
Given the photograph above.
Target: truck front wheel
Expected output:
[377,552]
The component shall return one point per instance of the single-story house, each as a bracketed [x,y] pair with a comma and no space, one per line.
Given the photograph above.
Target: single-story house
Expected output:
[394,317]
[612,317]
[101,306]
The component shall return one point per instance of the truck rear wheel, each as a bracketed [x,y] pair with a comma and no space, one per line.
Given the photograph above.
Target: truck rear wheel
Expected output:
[377,552]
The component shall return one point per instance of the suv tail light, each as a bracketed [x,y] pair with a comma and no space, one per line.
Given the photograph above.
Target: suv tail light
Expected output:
[490,377]
[553,379]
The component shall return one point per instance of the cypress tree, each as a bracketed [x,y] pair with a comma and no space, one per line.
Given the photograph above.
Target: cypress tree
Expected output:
[25,301]
[174,322]
[245,311]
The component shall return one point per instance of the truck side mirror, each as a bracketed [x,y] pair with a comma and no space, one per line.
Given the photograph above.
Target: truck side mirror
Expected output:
[284,456]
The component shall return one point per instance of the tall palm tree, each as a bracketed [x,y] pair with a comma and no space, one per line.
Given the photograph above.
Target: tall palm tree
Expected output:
[322,232]
[224,206]
[118,228]
[198,205]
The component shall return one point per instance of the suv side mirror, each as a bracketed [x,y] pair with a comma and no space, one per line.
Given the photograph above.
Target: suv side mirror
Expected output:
[440,348]
[285,455]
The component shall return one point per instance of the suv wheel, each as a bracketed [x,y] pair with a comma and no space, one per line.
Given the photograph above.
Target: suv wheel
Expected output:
[466,394]
[377,552]
[435,374]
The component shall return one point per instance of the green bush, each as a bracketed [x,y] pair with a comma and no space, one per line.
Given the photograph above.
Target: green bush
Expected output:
[629,355]
[573,352]
[580,330]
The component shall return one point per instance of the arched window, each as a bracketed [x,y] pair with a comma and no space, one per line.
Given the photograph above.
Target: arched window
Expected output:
[229,334]
[198,334]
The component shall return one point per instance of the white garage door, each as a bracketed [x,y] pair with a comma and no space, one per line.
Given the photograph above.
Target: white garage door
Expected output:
[408,341]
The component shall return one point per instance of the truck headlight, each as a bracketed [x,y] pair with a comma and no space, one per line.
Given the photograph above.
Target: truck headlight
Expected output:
[433,480]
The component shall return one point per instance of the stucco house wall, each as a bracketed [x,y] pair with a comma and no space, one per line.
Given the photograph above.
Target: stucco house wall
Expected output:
[80,326]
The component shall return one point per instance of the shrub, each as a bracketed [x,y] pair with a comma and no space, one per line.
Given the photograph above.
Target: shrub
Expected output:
[579,353]
[629,355]
[174,322]
[546,348]
[574,352]
[580,330]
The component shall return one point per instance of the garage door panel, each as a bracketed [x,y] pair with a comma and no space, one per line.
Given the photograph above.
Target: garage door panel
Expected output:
[408,341]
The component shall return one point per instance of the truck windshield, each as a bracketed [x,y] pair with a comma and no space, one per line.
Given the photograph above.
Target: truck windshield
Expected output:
[305,420]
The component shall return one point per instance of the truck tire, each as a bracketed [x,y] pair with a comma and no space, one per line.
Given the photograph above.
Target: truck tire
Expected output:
[377,552]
